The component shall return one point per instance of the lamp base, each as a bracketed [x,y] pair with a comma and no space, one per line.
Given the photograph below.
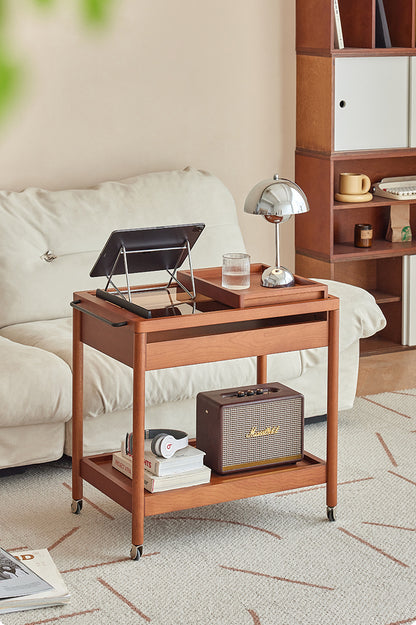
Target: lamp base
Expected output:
[274,277]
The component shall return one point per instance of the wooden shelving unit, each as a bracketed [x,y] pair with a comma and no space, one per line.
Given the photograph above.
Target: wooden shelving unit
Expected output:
[324,236]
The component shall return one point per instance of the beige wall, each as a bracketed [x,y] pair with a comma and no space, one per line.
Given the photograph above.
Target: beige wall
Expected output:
[169,83]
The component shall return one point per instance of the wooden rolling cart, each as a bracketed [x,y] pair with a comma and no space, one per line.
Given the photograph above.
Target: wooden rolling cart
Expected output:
[305,318]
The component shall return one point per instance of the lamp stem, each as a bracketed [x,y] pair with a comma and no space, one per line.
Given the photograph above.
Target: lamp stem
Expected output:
[277,244]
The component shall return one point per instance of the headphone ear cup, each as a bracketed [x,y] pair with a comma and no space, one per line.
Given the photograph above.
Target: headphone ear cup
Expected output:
[155,444]
[167,446]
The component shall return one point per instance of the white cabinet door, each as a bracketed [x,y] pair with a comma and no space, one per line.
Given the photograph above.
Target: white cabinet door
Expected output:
[371,103]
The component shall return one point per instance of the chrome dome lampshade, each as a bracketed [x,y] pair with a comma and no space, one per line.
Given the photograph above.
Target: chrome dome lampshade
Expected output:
[277,199]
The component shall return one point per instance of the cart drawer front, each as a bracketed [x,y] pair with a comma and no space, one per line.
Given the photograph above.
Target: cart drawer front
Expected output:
[212,348]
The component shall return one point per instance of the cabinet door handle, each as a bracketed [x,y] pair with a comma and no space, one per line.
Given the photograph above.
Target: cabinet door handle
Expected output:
[114,324]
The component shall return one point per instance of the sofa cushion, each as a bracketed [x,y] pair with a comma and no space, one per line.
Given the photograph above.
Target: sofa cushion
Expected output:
[75,224]
[359,317]
[35,386]
[108,383]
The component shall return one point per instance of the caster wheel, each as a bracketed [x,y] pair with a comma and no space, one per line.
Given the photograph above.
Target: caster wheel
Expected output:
[136,551]
[76,506]
[330,513]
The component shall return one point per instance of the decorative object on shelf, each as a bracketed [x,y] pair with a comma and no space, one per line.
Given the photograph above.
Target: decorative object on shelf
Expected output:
[399,229]
[339,38]
[353,188]
[236,271]
[277,199]
[363,235]
[397,188]
[382,29]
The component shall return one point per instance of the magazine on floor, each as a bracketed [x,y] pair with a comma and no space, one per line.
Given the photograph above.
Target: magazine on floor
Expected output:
[30,579]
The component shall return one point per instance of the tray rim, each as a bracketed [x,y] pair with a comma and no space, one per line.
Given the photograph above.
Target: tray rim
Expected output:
[245,297]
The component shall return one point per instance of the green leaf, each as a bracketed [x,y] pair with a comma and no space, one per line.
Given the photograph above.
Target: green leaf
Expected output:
[44,3]
[10,74]
[3,13]
[96,11]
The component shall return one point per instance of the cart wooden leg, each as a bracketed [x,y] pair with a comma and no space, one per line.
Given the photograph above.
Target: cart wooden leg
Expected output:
[332,414]
[261,369]
[139,369]
[77,411]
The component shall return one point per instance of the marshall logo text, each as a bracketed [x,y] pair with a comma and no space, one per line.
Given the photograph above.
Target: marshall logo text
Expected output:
[254,432]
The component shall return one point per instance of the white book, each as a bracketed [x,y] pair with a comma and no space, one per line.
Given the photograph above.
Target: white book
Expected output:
[157,483]
[40,563]
[339,38]
[184,459]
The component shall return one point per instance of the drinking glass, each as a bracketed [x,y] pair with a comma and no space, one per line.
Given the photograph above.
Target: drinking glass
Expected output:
[236,271]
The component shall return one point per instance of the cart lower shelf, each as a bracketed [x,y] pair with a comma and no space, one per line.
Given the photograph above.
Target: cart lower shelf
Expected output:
[98,471]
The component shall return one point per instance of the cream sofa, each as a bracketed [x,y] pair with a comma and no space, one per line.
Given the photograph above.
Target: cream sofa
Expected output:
[35,315]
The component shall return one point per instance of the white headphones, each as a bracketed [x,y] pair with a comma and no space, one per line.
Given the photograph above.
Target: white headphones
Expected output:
[166,442]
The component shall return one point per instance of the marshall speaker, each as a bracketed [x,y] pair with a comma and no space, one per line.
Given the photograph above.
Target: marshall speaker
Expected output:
[250,427]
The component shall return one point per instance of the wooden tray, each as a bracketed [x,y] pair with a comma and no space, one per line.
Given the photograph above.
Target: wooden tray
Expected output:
[208,282]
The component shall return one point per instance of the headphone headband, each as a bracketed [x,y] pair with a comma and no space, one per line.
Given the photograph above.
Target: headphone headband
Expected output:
[164,442]
[178,434]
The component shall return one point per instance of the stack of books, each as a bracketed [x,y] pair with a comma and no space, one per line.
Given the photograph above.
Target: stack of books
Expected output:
[185,468]
[28,580]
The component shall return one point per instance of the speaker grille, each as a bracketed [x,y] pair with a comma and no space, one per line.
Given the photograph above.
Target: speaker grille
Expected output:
[262,432]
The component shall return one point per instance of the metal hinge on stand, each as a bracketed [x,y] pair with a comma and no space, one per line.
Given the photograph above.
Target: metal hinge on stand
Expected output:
[141,250]
[172,273]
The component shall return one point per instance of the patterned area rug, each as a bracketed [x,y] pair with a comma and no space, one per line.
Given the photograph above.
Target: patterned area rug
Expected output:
[270,560]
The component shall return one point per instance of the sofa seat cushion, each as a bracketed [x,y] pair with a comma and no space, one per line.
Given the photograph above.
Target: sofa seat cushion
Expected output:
[108,383]
[35,386]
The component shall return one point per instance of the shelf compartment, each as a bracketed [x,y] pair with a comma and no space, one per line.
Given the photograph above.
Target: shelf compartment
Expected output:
[382,297]
[380,249]
[358,23]
[315,25]
[400,16]
[377,201]
[396,51]
[98,471]
[377,345]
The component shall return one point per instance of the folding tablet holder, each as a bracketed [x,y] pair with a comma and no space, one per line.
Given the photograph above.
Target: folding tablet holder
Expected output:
[143,250]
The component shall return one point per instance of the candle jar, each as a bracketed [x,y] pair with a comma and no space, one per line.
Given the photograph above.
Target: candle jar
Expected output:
[363,235]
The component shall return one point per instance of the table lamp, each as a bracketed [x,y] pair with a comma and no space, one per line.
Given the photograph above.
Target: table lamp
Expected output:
[277,200]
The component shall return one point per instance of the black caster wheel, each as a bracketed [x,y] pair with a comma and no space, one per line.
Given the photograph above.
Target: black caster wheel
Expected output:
[331,513]
[136,552]
[76,506]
